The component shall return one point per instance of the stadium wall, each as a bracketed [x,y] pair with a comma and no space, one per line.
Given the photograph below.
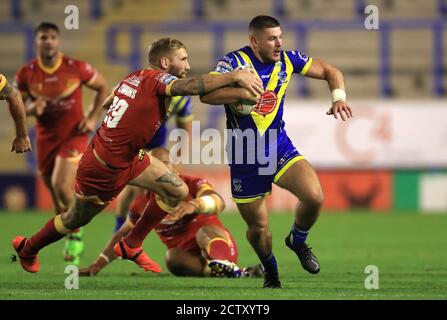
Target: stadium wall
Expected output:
[391,155]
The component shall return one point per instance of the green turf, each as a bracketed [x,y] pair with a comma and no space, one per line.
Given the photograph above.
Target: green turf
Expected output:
[409,250]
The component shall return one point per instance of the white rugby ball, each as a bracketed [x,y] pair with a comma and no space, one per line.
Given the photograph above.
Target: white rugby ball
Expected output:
[243,107]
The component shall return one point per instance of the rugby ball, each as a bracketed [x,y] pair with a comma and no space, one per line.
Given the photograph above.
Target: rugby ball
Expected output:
[243,107]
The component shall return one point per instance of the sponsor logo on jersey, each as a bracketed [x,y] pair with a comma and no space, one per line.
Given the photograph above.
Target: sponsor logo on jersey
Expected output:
[127,91]
[303,56]
[166,78]
[267,103]
[223,67]
[134,80]
[282,75]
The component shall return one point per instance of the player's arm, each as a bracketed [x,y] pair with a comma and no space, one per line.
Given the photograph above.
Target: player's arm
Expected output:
[228,95]
[107,255]
[207,83]
[21,142]
[207,201]
[98,84]
[108,101]
[319,69]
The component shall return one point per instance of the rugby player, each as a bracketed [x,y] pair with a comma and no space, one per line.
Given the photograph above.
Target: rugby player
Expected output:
[291,171]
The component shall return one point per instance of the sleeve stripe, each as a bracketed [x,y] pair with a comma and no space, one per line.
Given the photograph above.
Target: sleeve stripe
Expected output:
[93,78]
[168,88]
[306,67]
[2,81]
[185,119]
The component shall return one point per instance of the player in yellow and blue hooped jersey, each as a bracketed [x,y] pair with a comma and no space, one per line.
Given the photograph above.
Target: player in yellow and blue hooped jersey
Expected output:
[290,170]
[181,108]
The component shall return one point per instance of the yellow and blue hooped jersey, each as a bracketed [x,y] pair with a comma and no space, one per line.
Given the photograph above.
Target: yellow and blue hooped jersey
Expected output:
[268,114]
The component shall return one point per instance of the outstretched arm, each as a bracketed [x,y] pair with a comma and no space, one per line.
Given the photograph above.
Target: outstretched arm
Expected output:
[21,142]
[320,69]
[107,255]
[207,83]
[207,202]
[228,95]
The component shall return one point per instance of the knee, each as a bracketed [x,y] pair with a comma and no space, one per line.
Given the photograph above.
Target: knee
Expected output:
[61,186]
[173,264]
[259,228]
[315,198]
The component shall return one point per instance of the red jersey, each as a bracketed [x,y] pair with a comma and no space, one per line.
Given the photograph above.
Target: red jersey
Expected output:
[169,229]
[60,86]
[139,108]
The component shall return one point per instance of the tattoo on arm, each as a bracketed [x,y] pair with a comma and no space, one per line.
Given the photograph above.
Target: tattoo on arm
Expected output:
[200,86]
[170,178]
[6,91]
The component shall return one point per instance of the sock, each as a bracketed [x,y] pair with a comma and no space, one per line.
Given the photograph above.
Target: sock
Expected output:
[152,215]
[269,263]
[51,232]
[118,223]
[299,236]
[75,234]
[218,249]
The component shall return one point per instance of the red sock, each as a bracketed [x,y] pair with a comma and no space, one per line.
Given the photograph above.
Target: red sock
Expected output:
[219,249]
[151,216]
[45,236]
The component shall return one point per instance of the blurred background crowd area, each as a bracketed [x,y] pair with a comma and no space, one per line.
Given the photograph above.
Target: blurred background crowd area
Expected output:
[398,66]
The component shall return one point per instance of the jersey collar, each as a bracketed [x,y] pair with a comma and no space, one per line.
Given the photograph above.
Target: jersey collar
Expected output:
[52,69]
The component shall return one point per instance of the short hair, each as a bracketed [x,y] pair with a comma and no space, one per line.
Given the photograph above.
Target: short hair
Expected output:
[263,22]
[162,47]
[43,26]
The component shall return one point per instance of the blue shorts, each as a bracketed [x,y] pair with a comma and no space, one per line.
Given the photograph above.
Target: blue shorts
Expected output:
[159,138]
[248,185]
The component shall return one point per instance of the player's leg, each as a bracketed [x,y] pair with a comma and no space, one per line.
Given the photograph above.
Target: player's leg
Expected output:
[123,203]
[158,178]
[183,263]
[259,236]
[302,181]
[220,250]
[58,205]
[62,181]
[82,211]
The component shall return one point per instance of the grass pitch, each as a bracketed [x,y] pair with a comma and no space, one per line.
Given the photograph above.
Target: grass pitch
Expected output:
[408,249]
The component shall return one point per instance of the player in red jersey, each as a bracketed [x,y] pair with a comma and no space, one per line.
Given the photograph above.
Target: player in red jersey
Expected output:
[53,83]
[197,241]
[114,157]
[21,142]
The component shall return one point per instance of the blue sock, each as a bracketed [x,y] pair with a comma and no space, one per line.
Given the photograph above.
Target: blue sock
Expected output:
[269,263]
[119,222]
[299,236]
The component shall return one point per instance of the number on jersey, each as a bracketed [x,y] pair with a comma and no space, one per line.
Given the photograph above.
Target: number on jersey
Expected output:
[115,112]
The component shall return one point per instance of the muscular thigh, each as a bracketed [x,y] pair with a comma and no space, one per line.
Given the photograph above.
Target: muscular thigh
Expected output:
[301,180]
[158,178]
[254,213]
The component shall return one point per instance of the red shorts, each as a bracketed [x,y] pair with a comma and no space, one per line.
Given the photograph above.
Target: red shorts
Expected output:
[95,180]
[49,149]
